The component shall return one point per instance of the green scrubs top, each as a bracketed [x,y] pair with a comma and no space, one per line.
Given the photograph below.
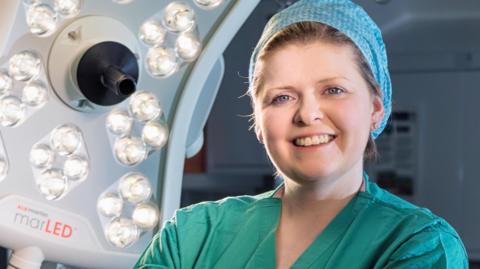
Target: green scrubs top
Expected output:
[375,230]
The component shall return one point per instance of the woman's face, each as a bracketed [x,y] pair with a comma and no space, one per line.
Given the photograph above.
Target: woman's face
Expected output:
[314,111]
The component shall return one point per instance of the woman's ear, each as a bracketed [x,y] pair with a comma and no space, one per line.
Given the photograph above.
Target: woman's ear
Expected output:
[259,134]
[378,111]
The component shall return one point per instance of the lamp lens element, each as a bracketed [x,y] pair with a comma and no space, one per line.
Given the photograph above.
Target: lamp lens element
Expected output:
[24,66]
[41,156]
[178,17]
[110,205]
[155,134]
[66,139]
[152,33]
[130,150]
[161,62]
[208,4]
[145,215]
[119,122]
[122,232]
[135,188]
[12,111]
[68,8]
[187,46]
[144,106]
[35,94]
[52,184]
[41,19]
[75,168]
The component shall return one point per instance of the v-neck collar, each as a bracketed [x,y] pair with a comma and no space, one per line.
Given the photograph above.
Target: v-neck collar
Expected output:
[266,251]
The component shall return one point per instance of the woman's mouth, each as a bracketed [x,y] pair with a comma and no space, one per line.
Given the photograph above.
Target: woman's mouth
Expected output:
[313,140]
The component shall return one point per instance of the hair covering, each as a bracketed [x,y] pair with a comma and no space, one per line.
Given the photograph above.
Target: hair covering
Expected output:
[348,18]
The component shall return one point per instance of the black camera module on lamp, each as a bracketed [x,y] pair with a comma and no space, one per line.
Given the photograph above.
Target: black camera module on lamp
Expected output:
[107,73]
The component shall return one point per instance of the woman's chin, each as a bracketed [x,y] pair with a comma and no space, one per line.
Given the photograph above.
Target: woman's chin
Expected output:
[313,176]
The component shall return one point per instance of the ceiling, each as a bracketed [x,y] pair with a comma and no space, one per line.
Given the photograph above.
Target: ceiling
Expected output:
[443,25]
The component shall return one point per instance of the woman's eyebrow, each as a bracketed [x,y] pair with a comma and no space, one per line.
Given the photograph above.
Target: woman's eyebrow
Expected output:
[330,79]
[280,87]
[321,81]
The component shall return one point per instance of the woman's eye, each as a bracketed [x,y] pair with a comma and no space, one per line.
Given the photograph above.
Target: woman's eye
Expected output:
[335,91]
[280,99]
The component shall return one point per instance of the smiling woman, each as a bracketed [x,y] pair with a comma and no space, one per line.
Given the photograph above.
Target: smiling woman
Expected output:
[321,94]
[324,97]
[305,33]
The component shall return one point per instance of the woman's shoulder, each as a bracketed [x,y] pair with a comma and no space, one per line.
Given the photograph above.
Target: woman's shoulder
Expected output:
[413,219]
[391,206]
[412,234]
[231,207]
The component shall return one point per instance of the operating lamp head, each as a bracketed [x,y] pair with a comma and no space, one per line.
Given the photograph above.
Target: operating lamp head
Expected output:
[79,138]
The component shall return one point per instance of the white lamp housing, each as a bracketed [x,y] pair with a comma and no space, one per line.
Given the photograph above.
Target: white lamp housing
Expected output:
[68,230]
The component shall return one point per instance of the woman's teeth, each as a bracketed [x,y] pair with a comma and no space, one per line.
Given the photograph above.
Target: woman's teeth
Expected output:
[313,140]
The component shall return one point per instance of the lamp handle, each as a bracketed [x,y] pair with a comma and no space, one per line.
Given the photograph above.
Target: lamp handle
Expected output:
[26,258]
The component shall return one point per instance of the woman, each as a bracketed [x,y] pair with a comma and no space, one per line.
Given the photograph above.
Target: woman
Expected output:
[321,94]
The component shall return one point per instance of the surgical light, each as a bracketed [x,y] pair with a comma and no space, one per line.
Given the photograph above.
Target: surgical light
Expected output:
[155,134]
[75,168]
[68,8]
[178,17]
[52,184]
[24,65]
[12,111]
[66,139]
[145,215]
[208,4]
[41,19]
[6,82]
[35,94]
[130,150]
[122,232]
[152,33]
[187,46]
[119,122]
[161,62]
[135,187]
[144,106]
[42,156]
[110,205]
[93,64]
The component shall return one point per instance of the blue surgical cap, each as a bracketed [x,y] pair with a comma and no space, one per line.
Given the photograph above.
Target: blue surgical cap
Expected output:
[348,18]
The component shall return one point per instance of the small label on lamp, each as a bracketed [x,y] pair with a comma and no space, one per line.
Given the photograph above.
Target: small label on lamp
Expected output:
[39,222]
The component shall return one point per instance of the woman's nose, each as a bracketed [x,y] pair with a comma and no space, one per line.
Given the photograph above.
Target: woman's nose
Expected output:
[309,112]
